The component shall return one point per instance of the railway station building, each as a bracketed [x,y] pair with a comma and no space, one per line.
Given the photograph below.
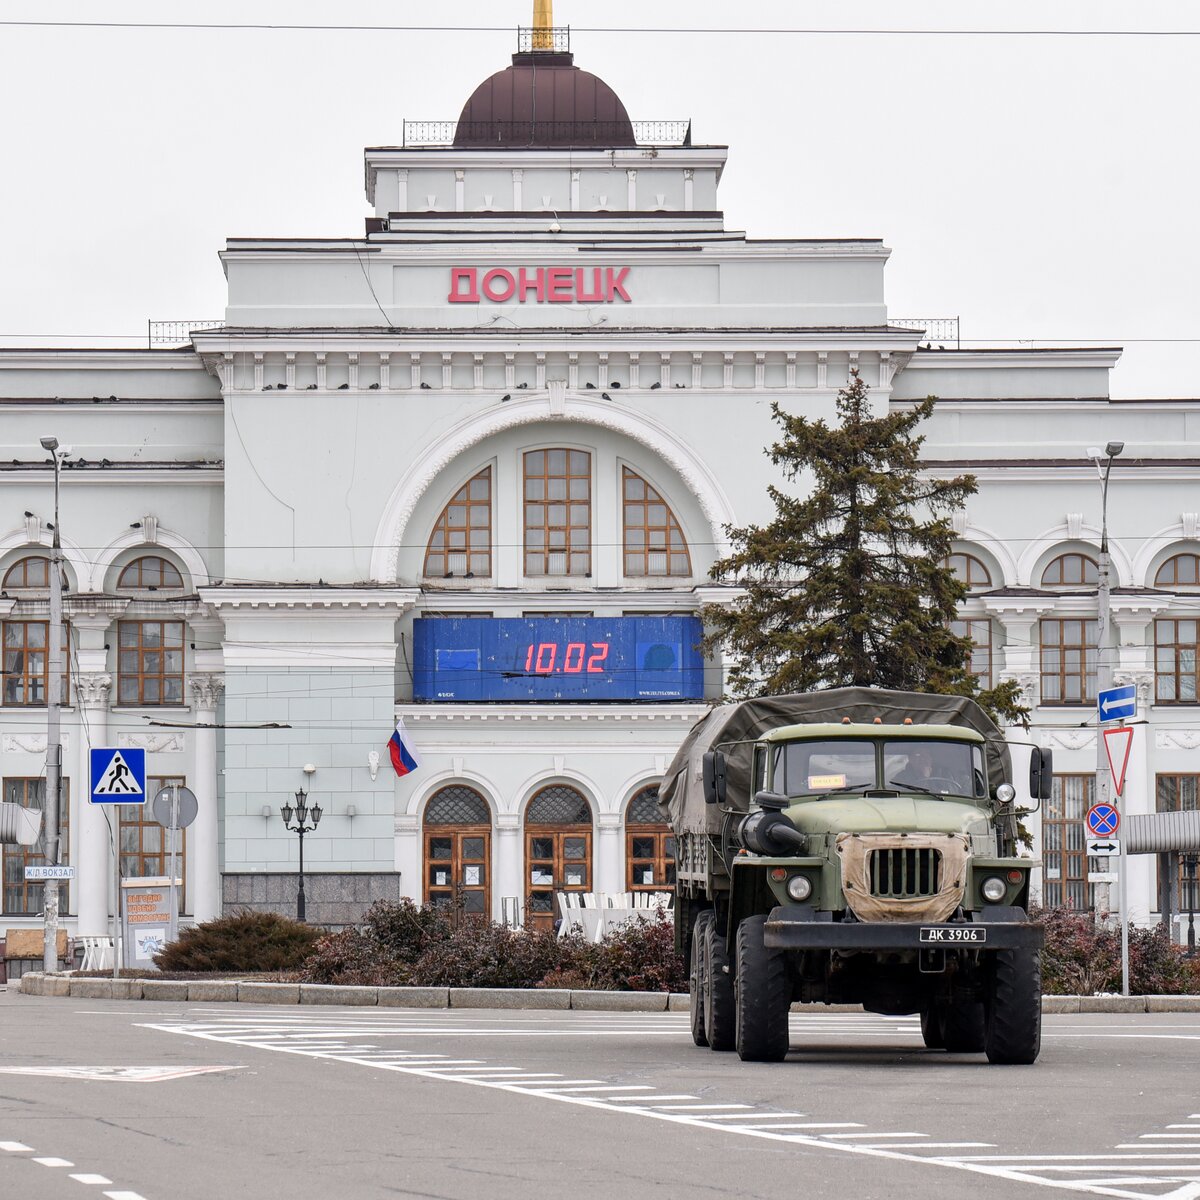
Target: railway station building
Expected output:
[469,466]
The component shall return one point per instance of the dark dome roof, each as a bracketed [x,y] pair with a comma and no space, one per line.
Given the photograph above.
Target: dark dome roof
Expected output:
[543,99]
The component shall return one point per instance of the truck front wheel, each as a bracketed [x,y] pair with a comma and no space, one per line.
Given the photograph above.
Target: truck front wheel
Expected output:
[763,996]
[696,978]
[718,990]
[1014,1008]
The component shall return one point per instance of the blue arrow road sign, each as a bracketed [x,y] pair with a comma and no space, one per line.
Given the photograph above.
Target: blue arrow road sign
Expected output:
[118,775]
[1103,820]
[1117,703]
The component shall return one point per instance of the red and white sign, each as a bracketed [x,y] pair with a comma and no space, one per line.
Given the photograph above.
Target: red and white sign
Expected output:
[539,285]
[1117,743]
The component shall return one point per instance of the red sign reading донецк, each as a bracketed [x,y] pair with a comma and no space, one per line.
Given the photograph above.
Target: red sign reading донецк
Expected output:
[545,285]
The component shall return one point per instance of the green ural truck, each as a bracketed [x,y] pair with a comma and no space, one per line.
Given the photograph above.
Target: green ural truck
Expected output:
[856,846]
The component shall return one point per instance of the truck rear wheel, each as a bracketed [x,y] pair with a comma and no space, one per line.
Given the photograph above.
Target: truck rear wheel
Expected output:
[719,1011]
[696,978]
[763,995]
[963,1027]
[1014,1008]
[931,1026]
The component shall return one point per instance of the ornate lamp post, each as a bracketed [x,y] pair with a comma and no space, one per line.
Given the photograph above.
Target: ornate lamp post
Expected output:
[302,813]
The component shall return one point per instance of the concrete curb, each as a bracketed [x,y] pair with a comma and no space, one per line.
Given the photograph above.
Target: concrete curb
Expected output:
[231,991]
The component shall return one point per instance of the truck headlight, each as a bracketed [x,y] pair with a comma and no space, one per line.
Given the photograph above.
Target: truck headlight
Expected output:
[1006,793]
[799,887]
[994,889]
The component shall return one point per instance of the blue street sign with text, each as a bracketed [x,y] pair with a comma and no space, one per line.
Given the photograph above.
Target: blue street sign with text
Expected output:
[1115,704]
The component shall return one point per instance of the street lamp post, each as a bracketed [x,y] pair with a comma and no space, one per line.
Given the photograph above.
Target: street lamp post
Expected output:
[54,698]
[302,814]
[1104,667]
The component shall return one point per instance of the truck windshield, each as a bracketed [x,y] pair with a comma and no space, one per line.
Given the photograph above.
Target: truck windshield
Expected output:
[818,768]
[941,768]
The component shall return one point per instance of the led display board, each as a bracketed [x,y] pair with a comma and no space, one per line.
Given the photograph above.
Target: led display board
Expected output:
[557,658]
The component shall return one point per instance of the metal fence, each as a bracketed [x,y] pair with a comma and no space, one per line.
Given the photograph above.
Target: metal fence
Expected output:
[175,333]
[517,133]
[530,38]
[939,331]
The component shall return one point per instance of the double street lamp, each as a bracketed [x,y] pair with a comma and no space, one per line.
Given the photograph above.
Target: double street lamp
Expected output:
[303,813]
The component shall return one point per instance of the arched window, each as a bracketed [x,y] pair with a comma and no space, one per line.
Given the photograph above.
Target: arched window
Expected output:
[149,573]
[558,849]
[649,845]
[26,644]
[971,571]
[558,512]
[461,543]
[654,542]
[1180,572]
[31,574]
[458,837]
[1071,571]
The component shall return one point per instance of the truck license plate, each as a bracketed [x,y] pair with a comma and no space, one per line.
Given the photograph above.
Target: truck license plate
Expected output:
[945,934]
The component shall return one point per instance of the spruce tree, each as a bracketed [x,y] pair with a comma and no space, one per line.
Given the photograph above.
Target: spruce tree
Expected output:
[849,584]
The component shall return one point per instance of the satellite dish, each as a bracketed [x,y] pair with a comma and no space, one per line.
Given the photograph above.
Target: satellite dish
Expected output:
[187,810]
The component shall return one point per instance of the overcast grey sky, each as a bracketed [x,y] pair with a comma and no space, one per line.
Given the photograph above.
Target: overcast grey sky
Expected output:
[1041,188]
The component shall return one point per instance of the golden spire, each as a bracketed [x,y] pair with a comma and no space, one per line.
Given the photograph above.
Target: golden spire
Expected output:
[543,24]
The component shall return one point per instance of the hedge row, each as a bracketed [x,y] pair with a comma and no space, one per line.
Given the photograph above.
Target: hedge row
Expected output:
[406,944]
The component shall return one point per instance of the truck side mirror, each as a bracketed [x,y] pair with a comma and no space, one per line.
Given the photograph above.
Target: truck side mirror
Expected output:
[1041,773]
[714,777]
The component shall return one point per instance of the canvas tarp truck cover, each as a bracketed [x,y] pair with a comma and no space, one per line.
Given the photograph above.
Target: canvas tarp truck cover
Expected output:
[733,728]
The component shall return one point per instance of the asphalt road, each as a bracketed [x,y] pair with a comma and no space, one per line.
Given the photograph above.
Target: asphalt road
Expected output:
[142,1101]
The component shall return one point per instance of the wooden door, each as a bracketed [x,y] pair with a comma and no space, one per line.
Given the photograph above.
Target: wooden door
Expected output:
[649,846]
[558,851]
[458,843]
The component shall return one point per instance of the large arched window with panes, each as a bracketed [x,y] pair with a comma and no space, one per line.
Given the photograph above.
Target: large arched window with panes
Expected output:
[971,570]
[150,651]
[1181,572]
[28,574]
[653,540]
[150,573]
[26,649]
[458,842]
[460,546]
[558,850]
[557,492]
[977,629]
[1071,570]
[649,845]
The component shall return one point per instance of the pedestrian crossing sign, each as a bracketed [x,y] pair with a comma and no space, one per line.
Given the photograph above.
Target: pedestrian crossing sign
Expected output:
[118,775]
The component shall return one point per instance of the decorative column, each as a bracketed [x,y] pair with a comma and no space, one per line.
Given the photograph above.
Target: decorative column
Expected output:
[508,866]
[610,861]
[95,860]
[206,891]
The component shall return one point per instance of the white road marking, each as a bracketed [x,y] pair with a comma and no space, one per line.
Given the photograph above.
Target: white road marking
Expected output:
[96,1179]
[284,1035]
[54,1162]
[16,1147]
[876,1136]
[697,1107]
[123,1196]
[751,1116]
[116,1074]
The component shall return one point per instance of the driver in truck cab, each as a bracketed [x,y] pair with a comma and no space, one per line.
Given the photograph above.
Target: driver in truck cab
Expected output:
[927,771]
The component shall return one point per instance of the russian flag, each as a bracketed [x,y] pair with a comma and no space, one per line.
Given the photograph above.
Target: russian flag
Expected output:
[404,757]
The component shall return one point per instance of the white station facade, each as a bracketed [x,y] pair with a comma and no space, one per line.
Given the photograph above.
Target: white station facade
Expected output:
[470,469]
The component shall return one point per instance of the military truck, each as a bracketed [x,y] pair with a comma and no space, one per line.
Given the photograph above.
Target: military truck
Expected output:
[856,846]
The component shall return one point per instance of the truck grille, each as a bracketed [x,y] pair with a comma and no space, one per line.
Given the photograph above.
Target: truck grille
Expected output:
[899,873]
